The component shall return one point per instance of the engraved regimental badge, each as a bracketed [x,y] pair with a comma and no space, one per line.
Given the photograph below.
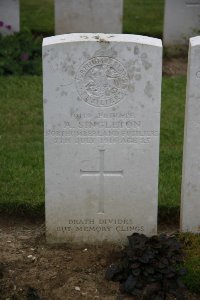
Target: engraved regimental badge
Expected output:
[102,81]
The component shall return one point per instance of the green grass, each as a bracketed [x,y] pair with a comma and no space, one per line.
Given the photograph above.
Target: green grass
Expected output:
[171,144]
[37,16]
[192,261]
[144,17]
[140,16]
[21,148]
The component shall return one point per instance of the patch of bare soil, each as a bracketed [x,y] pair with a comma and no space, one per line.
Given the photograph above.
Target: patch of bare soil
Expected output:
[174,66]
[32,270]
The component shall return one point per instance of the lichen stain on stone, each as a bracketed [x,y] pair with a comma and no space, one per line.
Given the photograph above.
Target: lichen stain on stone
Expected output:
[100,39]
[84,37]
[45,54]
[131,88]
[144,58]
[69,69]
[63,93]
[194,187]
[86,55]
[148,89]
[106,51]
[136,50]
[72,111]
[130,67]
[134,69]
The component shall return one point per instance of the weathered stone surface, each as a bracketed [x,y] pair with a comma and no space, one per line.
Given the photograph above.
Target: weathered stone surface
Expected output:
[101,125]
[9,16]
[88,16]
[181,21]
[190,204]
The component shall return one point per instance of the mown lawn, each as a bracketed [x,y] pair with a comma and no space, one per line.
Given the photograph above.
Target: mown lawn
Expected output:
[171,144]
[140,16]
[21,147]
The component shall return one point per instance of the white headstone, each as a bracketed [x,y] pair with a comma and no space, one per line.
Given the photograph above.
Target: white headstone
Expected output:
[101,125]
[88,16]
[190,204]
[9,16]
[181,21]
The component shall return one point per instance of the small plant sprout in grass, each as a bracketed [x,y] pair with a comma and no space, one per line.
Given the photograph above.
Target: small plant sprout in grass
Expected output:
[150,267]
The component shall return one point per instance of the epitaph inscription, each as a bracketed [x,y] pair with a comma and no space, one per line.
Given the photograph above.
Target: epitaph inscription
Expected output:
[102,225]
[102,81]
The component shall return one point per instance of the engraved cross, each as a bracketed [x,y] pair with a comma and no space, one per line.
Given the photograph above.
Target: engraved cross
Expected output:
[101,173]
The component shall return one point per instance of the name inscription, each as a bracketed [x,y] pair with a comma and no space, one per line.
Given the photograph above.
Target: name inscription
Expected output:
[83,129]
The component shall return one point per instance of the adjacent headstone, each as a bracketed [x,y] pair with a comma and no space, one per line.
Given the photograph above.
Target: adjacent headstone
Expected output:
[181,21]
[88,16]
[9,16]
[190,204]
[101,124]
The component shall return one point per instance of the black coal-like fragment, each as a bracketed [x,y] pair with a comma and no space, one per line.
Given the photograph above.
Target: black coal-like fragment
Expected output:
[32,294]
[135,265]
[150,270]
[151,290]
[2,270]
[112,271]
[136,272]
[164,261]
[130,284]
[136,292]
[137,240]
[159,296]
[149,262]
[140,284]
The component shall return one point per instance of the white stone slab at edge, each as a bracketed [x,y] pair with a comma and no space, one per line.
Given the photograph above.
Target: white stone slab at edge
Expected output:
[190,198]
[88,16]
[9,16]
[101,124]
[181,21]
